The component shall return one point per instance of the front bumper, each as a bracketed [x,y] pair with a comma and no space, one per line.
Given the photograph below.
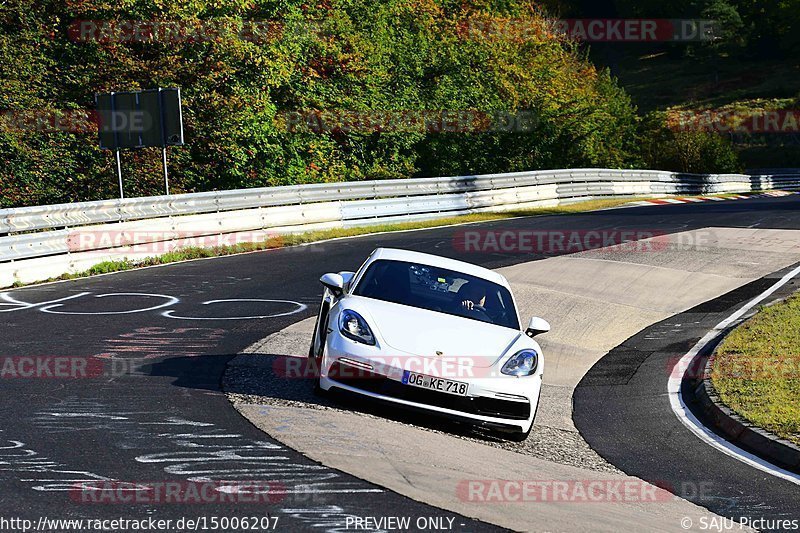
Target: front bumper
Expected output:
[501,402]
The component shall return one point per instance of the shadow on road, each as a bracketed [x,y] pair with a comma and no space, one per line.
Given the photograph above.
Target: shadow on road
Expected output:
[263,379]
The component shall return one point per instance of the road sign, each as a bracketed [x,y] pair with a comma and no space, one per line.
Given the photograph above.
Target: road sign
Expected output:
[140,119]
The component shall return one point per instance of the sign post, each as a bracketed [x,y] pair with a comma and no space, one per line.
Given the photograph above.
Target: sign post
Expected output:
[119,174]
[166,174]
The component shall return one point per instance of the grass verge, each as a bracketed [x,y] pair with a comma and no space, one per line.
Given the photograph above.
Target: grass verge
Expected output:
[756,369]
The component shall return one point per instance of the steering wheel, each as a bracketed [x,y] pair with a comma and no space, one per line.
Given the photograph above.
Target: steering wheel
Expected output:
[482,312]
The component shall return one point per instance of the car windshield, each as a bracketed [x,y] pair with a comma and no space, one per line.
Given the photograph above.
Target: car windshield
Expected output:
[438,289]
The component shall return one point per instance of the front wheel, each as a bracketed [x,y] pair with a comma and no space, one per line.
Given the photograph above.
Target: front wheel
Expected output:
[519,436]
[315,356]
[316,363]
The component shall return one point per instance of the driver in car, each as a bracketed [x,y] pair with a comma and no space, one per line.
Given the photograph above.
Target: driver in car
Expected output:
[472,295]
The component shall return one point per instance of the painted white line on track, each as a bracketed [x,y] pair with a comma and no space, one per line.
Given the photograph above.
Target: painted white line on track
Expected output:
[687,417]
[170,301]
[299,307]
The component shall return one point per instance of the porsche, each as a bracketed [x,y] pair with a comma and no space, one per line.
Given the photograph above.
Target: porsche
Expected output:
[431,334]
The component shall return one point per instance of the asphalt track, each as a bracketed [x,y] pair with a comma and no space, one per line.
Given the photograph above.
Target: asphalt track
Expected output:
[622,410]
[167,420]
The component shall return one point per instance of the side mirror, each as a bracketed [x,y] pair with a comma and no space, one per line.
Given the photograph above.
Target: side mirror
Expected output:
[537,326]
[347,276]
[334,282]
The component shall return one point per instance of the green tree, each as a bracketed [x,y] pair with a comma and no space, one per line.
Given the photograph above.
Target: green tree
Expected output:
[242,92]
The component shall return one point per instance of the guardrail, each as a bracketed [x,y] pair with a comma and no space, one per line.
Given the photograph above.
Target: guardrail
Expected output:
[45,241]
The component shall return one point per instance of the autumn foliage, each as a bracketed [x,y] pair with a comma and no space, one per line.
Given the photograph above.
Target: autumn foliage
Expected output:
[244,66]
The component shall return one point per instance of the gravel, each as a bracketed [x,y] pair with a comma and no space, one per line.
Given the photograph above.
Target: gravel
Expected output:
[250,379]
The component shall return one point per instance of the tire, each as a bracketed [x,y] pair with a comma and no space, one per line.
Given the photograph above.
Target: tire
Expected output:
[316,361]
[317,358]
[521,436]
[518,436]
[318,390]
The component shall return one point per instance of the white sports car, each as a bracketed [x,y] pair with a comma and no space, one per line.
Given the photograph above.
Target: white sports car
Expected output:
[430,333]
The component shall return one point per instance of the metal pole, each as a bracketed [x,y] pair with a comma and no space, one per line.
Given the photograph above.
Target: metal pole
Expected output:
[119,175]
[166,174]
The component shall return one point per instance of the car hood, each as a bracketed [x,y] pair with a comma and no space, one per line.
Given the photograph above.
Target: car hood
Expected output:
[423,333]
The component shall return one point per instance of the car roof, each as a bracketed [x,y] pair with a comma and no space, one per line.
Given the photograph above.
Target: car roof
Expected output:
[396,254]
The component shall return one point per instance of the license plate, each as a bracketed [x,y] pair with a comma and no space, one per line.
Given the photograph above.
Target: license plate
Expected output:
[446,386]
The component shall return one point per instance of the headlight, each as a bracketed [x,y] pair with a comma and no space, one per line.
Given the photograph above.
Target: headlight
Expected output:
[354,327]
[523,363]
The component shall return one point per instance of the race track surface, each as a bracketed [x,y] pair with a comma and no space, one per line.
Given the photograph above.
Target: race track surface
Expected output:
[161,338]
[623,411]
